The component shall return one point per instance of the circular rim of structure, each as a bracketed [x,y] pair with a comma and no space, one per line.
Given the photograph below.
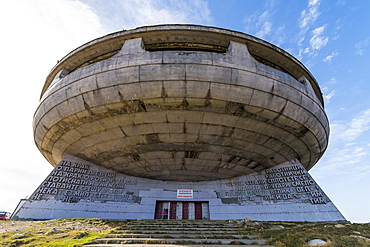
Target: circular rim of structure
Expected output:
[113,42]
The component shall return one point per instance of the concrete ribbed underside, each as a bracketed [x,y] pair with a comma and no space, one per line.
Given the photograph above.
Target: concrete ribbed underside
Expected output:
[186,116]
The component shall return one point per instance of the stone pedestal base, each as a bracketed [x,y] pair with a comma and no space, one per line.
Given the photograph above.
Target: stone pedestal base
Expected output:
[79,189]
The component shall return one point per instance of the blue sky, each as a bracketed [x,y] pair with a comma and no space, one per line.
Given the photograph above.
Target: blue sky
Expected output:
[330,37]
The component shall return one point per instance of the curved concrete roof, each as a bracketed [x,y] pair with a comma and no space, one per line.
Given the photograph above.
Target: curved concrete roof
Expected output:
[183,37]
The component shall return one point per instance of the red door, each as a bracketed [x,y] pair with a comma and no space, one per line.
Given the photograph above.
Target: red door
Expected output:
[185,210]
[173,210]
[158,210]
[198,210]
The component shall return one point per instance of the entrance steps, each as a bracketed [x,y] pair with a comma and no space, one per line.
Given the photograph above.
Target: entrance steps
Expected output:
[151,233]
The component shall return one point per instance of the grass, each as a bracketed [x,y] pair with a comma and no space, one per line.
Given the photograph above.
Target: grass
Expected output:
[67,239]
[55,233]
[298,234]
[77,232]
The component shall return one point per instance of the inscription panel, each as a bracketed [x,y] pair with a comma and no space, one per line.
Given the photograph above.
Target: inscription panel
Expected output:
[288,183]
[72,181]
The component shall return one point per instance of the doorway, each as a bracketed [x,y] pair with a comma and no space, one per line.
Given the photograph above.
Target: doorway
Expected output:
[175,210]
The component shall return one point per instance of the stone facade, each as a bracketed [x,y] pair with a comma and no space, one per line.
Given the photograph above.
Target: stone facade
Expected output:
[79,189]
[182,106]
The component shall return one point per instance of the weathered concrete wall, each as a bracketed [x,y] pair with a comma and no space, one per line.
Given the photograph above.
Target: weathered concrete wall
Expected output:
[79,189]
[182,115]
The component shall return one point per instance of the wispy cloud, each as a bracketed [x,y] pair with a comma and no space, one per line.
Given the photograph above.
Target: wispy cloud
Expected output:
[130,14]
[347,151]
[318,41]
[330,57]
[306,22]
[309,15]
[360,47]
[261,25]
[327,97]
[41,32]
[350,131]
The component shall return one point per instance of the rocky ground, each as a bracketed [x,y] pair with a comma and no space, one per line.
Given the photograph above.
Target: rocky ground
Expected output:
[77,225]
[76,232]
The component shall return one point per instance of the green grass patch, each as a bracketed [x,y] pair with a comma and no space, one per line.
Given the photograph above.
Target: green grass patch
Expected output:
[298,234]
[67,239]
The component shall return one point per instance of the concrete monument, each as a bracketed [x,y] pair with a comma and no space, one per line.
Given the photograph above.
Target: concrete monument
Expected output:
[180,122]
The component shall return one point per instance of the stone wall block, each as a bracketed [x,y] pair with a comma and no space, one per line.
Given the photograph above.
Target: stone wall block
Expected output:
[132,46]
[194,116]
[64,110]
[58,97]
[107,64]
[268,101]
[168,128]
[271,72]
[286,91]
[175,116]
[110,94]
[220,91]
[164,137]
[175,89]
[109,123]
[156,72]
[143,129]
[240,94]
[83,85]
[71,136]
[130,91]
[51,118]
[140,59]
[209,73]
[73,89]
[110,134]
[39,134]
[149,117]
[237,56]
[116,77]
[244,78]
[151,89]
[59,147]
[123,120]
[193,128]
[198,89]
[93,99]
[89,128]
[89,70]
[187,57]
[39,113]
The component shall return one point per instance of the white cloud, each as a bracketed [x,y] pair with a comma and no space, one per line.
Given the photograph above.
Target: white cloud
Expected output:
[346,153]
[318,41]
[350,131]
[309,15]
[265,30]
[130,14]
[330,57]
[333,80]
[360,47]
[328,96]
[260,24]
[40,32]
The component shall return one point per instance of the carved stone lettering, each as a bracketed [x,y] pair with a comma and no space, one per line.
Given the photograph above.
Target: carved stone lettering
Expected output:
[75,181]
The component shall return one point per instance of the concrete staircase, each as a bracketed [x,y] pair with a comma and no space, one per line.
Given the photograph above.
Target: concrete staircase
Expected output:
[173,233]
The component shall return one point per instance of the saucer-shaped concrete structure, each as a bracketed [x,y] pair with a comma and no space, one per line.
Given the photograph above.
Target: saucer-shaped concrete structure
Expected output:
[180,122]
[181,103]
